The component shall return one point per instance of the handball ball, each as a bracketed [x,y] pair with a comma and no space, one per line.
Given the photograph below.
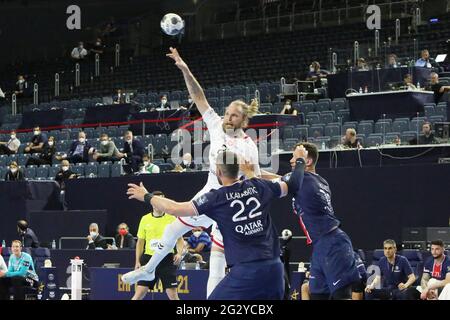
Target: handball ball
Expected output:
[286,234]
[172,24]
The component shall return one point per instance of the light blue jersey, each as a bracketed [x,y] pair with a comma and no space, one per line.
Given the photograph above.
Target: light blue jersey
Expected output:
[22,266]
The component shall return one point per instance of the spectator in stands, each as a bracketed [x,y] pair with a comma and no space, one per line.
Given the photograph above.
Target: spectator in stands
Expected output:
[20,274]
[21,87]
[37,142]
[150,232]
[46,156]
[27,235]
[397,275]
[435,282]
[164,104]
[315,73]
[79,151]
[124,239]
[362,65]
[12,146]
[199,241]
[79,53]
[350,140]
[288,108]
[407,82]
[64,174]
[148,165]
[427,136]
[107,150]
[95,240]
[97,47]
[120,97]
[14,173]
[187,164]
[425,60]
[392,61]
[133,150]
[437,87]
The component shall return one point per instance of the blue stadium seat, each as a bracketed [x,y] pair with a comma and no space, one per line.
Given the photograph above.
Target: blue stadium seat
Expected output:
[78,168]
[307,107]
[400,125]
[91,169]
[436,118]
[429,110]
[337,105]
[416,261]
[382,127]
[116,170]
[42,172]
[322,106]
[343,115]
[365,128]
[103,171]
[416,124]
[30,172]
[288,132]
[316,130]
[348,125]
[277,107]
[391,137]
[332,129]
[301,132]
[377,255]
[288,144]
[327,117]
[374,139]
[408,136]
[313,118]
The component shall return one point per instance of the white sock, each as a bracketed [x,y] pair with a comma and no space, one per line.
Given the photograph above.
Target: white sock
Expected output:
[168,241]
[217,265]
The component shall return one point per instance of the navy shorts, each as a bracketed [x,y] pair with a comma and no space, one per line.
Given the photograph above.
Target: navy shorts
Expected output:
[259,280]
[333,263]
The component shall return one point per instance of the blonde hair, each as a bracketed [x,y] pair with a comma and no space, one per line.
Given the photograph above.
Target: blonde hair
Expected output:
[249,110]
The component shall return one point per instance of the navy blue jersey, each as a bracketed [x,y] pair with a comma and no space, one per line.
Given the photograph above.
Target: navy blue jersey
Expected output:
[360,266]
[242,214]
[395,274]
[312,204]
[435,270]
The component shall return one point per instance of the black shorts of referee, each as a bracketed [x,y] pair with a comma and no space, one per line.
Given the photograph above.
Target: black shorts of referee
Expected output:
[166,271]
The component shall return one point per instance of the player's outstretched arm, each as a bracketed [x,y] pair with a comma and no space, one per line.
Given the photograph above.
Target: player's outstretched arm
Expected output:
[194,88]
[178,209]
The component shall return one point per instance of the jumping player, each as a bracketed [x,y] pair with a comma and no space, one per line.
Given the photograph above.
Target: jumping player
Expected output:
[227,133]
[241,210]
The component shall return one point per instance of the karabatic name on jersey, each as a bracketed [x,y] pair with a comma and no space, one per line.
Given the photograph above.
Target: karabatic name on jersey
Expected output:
[242,213]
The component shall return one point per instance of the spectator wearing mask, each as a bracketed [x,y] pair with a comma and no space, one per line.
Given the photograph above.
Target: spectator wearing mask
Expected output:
[95,240]
[392,61]
[397,276]
[46,156]
[148,166]
[427,136]
[79,151]
[12,146]
[133,151]
[37,142]
[187,164]
[64,174]
[120,97]
[107,150]
[164,104]
[21,87]
[438,88]
[435,282]
[124,239]
[26,235]
[79,53]
[199,241]
[288,108]
[14,173]
[350,140]
[20,274]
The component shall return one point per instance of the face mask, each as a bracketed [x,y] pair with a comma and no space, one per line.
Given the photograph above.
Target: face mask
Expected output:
[36,133]
[65,168]
[185,162]
[82,140]
[21,81]
[93,234]
[288,106]
[13,136]
[190,100]
[123,232]
[50,143]
[146,163]
[311,69]
[104,143]
[13,170]
[129,141]
[164,101]
[197,234]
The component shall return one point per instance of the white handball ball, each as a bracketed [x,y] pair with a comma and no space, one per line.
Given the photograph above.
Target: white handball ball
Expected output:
[286,234]
[172,24]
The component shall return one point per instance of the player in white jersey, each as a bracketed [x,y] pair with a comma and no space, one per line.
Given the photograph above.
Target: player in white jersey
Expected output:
[224,134]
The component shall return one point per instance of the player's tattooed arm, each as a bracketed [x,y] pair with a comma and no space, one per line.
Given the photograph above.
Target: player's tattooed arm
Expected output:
[194,88]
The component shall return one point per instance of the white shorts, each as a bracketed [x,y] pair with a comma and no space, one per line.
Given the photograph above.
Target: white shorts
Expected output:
[203,220]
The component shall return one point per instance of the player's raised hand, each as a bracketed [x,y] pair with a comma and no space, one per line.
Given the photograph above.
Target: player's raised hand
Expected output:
[247,168]
[300,152]
[176,57]
[136,192]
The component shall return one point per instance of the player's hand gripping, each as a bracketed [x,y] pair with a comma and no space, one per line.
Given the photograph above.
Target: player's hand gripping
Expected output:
[178,61]
[300,152]
[248,169]
[136,191]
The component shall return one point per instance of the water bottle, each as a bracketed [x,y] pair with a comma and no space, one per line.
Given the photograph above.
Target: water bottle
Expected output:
[360,90]
[323,145]
[418,85]
[183,265]
[366,90]
[3,244]
[53,245]
[197,265]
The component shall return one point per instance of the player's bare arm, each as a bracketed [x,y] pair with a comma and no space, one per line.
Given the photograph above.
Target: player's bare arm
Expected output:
[194,88]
